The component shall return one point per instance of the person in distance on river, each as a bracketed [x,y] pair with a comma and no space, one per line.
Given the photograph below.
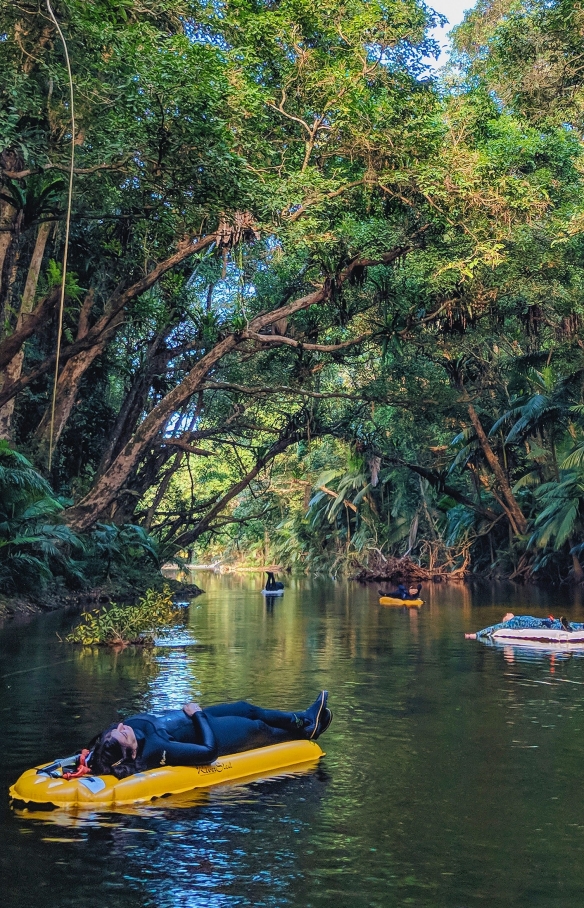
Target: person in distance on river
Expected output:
[272,584]
[402,592]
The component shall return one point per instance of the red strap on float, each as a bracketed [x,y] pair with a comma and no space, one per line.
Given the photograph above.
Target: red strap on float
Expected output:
[82,770]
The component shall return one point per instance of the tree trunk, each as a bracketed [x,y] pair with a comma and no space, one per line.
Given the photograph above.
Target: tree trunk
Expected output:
[101,332]
[14,368]
[133,404]
[7,215]
[10,223]
[110,484]
[9,160]
[576,566]
[87,512]
[68,384]
[493,462]
[67,387]
[162,489]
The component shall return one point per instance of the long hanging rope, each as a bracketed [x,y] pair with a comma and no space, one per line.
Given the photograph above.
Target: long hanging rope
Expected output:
[66,249]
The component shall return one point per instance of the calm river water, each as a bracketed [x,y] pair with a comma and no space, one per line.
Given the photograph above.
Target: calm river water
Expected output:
[453,774]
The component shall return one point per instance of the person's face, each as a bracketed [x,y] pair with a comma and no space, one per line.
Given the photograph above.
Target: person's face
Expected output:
[124,735]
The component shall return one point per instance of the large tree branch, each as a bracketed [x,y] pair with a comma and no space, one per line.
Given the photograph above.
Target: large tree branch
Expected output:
[22,174]
[281,389]
[184,446]
[30,323]
[102,331]
[84,514]
[298,212]
[438,483]
[333,494]
[190,536]
[277,339]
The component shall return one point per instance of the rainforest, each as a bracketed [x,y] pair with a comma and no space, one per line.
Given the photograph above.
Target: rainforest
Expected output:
[274,288]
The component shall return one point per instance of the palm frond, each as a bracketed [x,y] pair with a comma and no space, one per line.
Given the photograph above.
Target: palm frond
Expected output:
[529,481]
[574,460]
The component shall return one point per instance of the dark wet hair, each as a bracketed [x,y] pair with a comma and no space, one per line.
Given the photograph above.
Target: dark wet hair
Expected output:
[110,758]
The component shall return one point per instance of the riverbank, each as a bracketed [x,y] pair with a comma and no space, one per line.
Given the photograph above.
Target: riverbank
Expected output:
[23,607]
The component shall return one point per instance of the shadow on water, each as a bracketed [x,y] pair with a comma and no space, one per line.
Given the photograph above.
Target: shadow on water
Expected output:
[451,776]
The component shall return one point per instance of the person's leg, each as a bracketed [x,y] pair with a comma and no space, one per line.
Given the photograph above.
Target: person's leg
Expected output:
[301,724]
[274,717]
[235,734]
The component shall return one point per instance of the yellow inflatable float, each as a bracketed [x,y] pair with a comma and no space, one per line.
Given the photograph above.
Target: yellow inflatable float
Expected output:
[408,603]
[36,786]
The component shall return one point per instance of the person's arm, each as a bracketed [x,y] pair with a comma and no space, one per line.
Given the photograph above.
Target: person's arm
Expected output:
[183,754]
[488,631]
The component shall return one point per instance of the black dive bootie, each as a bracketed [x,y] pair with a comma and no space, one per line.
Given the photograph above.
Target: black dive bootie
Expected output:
[312,715]
[326,717]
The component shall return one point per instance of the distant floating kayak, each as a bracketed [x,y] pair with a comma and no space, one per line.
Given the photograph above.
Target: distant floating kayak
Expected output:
[88,792]
[272,592]
[409,603]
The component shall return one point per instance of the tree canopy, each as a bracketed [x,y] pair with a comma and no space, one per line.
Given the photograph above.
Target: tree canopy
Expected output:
[316,292]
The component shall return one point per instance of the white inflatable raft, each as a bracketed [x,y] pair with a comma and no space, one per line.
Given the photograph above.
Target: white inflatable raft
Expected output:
[527,636]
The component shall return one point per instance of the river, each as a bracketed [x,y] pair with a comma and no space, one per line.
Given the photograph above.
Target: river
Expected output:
[451,776]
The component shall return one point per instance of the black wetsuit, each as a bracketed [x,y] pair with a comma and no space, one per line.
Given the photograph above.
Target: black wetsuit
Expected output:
[403,593]
[272,585]
[400,593]
[176,739]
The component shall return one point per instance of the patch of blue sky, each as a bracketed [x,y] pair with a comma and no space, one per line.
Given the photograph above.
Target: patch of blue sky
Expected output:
[454,11]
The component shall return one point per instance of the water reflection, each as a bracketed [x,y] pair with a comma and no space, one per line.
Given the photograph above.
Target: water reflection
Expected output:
[175,682]
[450,777]
[535,650]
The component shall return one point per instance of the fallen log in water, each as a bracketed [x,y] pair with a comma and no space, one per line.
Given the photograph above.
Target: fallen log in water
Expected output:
[389,568]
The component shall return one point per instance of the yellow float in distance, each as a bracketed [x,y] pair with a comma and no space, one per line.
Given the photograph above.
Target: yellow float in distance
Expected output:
[409,603]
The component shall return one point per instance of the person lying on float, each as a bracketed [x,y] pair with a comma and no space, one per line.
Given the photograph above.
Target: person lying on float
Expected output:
[517,622]
[402,592]
[195,737]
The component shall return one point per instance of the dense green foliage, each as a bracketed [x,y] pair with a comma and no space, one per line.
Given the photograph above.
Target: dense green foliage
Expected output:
[321,304]
[119,625]
[34,545]
[38,550]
